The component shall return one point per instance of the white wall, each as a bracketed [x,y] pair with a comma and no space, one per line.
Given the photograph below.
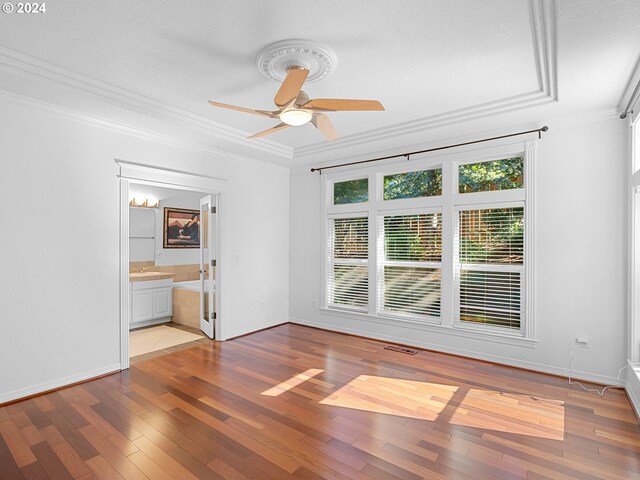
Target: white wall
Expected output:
[60,271]
[580,254]
[175,256]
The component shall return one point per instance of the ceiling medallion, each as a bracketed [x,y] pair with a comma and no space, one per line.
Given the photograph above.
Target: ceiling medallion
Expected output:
[274,60]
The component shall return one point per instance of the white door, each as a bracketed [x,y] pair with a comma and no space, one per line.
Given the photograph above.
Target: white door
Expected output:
[207,265]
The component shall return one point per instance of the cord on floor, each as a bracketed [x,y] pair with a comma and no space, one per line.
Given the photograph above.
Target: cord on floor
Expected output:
[590,390]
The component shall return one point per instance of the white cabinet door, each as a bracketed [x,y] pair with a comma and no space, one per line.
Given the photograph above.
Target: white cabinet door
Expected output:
[142,305]
[162,302]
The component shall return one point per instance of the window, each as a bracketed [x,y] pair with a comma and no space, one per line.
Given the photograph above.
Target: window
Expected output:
[445,244]
[412,264]
[349,274]
[495,175]
[351,191]
[490,245]
[425,183]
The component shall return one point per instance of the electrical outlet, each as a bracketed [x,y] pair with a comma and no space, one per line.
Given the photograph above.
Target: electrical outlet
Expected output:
[583,341]
[314,303]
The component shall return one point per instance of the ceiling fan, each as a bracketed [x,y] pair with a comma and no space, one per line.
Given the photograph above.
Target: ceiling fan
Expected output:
[296,109]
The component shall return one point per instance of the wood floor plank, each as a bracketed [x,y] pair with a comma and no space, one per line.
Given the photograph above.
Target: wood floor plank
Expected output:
[50,462]
[294,402]
[103,469]
[34,471]
[147,466]
[73,462]
[73,437]
[121,463]
[20,450]
[8,465]
[31,435]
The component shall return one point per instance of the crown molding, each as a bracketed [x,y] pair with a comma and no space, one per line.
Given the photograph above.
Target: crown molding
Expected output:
[627,95]
[15,62]
[134,132]
[561,121]
[543,28]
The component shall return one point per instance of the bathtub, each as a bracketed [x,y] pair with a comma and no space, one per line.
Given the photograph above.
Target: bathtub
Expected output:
[186,302]
[193,285]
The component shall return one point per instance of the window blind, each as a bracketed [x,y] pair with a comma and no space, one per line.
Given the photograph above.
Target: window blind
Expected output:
[411,265]
[490,261]
[348,282]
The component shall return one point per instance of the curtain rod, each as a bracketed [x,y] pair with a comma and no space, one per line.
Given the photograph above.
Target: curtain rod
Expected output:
[408,154]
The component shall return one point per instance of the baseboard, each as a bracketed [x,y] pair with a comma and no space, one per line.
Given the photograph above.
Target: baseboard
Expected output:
[24,393]
[259,329]
[537,367]
[633,388]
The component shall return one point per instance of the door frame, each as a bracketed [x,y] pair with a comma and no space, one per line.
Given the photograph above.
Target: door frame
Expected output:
[131,172]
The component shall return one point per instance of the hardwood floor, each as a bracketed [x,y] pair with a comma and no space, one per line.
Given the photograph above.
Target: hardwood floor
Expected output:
[295,402]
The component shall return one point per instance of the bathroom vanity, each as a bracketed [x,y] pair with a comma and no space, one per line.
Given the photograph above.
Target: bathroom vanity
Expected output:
[150,298]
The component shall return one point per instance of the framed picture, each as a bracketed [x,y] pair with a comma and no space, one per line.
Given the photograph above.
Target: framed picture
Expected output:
[181,228]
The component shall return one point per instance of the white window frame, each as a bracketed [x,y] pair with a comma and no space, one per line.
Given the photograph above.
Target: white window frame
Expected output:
[634,240]
[447,203]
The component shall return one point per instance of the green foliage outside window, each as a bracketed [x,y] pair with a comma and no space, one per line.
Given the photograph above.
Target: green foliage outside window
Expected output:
[492,236]
[495,175]
[416,238]
[424,183]
[351,191]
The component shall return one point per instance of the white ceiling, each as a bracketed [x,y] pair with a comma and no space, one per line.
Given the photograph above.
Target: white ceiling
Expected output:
[430,62]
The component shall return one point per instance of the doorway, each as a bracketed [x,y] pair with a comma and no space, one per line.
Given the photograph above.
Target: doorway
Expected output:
[171,260]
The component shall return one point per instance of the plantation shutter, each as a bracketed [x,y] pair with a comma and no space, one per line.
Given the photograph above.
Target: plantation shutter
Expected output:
[348,280]
[411,265]
[490,262]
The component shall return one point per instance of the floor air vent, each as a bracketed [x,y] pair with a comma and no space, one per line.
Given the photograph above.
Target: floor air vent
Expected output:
[396,348]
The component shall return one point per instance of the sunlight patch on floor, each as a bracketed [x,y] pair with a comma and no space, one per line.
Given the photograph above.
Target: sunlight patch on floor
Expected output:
[292,382]
[483,409]
[511,413]
[393,396]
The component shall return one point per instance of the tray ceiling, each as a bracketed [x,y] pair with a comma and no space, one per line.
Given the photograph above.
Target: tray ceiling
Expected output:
[430,63]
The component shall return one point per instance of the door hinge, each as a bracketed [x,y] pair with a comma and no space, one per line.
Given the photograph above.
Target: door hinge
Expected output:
[214,209]
[213,263]
[213,316]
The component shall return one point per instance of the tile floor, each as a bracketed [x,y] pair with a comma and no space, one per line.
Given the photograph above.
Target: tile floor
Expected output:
[161,338]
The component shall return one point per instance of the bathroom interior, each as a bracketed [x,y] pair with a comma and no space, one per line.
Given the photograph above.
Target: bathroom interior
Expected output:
[166,290]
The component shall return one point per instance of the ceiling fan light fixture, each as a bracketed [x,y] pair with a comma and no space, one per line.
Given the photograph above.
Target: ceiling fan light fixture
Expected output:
[295,118]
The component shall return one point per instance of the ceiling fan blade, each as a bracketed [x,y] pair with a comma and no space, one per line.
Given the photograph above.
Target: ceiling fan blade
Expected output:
[343,104]
[323,123]
[262,113]
[291,86]
[277,128]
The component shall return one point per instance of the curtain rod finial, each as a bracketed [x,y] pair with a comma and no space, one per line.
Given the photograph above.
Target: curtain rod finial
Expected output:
[545,129]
